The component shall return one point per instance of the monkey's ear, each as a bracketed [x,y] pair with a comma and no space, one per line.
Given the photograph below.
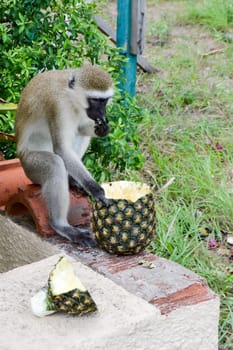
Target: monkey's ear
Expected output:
[71,81]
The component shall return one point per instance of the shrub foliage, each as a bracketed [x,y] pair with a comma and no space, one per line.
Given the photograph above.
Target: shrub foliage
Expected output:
[38,35]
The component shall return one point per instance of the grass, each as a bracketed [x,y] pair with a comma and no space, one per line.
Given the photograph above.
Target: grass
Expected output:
[215,14]
[187,135]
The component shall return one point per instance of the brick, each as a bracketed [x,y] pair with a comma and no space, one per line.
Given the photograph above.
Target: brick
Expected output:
[11,178]
[191,295]
[167,285]
[28,200]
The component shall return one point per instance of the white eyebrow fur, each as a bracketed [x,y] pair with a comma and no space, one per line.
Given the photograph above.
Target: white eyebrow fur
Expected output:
[100,94]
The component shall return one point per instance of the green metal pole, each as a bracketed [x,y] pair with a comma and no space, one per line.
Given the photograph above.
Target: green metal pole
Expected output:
[127,81]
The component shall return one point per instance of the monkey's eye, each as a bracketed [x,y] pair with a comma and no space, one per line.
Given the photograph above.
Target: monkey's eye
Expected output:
[97,101]
[103,100]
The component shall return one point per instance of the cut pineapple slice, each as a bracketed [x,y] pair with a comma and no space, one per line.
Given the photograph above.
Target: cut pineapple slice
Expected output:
[65,292]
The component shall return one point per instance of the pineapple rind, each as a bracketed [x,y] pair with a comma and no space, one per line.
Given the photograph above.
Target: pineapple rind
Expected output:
[74,302]
[124,227]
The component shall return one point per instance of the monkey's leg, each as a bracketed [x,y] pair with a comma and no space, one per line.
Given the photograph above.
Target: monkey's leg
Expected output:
[48,170]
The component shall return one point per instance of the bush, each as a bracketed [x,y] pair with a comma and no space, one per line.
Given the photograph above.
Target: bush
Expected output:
[8,148]
[37,35]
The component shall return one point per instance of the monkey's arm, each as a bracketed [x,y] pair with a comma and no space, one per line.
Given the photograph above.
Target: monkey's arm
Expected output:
[81,175]
[75,167]
[70,145]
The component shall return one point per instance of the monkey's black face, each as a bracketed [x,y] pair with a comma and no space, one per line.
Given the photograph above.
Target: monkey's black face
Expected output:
[97,107]
[96,111]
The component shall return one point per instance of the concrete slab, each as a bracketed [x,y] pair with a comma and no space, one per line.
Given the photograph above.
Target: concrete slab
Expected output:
[123,320]
[19,246]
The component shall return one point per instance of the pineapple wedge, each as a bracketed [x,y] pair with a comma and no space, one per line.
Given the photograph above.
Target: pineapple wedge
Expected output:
[65,293]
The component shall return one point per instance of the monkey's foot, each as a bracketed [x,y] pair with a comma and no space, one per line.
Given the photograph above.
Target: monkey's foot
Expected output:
[79,235]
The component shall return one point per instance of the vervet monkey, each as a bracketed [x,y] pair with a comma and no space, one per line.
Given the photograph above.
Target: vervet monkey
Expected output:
[58,113]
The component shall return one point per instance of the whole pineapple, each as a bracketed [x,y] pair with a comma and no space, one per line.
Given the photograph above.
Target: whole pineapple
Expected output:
[127,225]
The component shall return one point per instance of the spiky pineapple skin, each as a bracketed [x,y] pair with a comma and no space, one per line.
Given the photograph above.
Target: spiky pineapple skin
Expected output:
[124,227]
[74,302]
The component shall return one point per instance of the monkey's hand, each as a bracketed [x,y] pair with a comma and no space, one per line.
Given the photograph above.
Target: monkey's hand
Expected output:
[97,192]
[101,127]
[106,201]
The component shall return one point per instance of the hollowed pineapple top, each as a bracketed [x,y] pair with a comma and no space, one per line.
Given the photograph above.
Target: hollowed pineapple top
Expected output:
[127,224]
[128,190]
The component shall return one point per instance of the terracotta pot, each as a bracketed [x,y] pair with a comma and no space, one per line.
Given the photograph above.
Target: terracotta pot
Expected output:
[12,177]
[18,196]
[29,201]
